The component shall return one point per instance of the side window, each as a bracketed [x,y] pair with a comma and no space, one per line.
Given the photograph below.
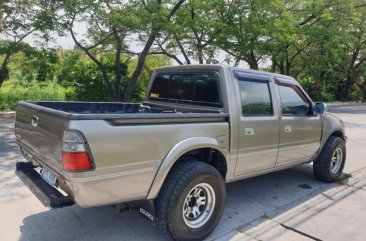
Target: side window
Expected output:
[293,101]
[255,98]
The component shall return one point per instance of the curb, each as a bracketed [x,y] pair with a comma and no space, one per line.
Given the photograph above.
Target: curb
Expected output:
[7,114]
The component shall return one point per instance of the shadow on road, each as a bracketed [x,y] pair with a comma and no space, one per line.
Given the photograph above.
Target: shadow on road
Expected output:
[247,201]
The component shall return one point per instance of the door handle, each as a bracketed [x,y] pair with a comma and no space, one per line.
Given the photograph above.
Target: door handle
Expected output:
[34,121]
[288,129]
[249,131]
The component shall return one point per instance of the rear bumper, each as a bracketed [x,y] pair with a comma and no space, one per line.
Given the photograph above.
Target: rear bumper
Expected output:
[48,195]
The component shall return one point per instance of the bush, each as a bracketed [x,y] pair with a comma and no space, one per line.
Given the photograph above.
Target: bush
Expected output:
[327,96]
[308,84]
[13,91]
[356,93]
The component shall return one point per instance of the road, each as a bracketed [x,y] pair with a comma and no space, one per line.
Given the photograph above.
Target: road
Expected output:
[286,205]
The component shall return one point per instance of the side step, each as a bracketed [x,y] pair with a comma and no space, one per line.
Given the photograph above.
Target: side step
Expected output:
[48,195]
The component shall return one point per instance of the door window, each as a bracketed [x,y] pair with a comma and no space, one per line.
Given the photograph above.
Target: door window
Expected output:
[255,98]
[293,101]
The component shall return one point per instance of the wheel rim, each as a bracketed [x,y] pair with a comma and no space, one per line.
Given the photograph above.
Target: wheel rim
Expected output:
[199,205]
[336,161]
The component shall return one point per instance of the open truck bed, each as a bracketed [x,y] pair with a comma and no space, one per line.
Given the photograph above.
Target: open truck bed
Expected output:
[113,133]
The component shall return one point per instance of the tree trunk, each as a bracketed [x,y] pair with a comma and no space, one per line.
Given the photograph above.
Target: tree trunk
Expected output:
[200,53]
[348,89]
[364,93]
[363,89]
[253,61]
[274,66]
[4,71]
[4,74]
[140,64]
[288,68]
[117,83]
[282,68]
[319,86]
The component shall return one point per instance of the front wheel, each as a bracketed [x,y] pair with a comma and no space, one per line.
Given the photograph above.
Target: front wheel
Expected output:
[191,201]
[329,165]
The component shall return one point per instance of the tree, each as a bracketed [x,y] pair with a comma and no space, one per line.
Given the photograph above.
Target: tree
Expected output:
[18,20]
[247,27]
[105,34]
[192,33]
[156,14]
[108,23]
[351,53]
[337,52]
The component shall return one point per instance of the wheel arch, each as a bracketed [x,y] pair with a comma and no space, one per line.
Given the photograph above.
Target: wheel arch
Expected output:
[186,150]
[337,133]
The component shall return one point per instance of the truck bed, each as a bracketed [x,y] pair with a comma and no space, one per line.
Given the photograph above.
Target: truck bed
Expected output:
[128,142]
[119,110]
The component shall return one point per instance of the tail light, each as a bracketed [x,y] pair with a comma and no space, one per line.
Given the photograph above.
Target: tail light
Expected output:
[75,155]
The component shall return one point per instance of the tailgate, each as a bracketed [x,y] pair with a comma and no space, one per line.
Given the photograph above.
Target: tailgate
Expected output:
[39,134]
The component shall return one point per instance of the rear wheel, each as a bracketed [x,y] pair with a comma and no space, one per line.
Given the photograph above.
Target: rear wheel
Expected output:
[191,201]
[329,165]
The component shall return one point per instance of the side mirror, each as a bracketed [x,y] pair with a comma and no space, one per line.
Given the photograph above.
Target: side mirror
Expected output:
[320,108]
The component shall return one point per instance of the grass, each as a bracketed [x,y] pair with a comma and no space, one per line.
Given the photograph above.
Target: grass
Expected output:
[343,178]
[13,91]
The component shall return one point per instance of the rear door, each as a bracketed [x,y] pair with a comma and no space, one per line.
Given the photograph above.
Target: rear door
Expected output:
[300,128]
[258,123]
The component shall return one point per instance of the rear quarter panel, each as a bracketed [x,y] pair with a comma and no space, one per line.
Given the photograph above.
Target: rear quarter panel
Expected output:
[127,157]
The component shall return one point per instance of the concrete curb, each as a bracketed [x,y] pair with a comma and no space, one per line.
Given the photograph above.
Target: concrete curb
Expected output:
[345,104]
[7,114]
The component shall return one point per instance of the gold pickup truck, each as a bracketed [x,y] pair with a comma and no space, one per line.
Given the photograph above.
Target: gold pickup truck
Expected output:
[201,126]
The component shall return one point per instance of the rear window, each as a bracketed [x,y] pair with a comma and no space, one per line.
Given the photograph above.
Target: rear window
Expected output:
[191,88]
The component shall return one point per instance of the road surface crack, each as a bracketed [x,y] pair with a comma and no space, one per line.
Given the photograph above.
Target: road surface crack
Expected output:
[299,232]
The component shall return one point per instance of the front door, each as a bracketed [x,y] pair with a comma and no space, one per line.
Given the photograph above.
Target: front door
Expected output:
[300,128]
[258,124]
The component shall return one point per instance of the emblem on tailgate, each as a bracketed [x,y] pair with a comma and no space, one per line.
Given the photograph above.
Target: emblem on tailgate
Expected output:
[34,121]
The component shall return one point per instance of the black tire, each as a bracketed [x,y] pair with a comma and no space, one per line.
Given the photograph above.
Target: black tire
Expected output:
[180,182]
[322,166]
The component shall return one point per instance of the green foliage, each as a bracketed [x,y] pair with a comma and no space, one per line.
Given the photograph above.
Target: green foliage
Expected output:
[327,96]
[83,75]
[152,62]
[322,43]
[356,93]
[13,91]
[308,84]
[37,65]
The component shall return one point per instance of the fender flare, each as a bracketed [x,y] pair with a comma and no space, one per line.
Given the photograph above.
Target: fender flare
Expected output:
[331,133]
[174,154]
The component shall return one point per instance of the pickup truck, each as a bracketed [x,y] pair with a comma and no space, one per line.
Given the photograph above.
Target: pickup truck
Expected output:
[201,126]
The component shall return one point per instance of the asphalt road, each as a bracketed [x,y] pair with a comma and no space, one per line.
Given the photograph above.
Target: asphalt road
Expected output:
[286,205]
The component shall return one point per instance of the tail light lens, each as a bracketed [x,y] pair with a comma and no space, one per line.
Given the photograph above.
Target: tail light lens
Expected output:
[75,157]
[76,162]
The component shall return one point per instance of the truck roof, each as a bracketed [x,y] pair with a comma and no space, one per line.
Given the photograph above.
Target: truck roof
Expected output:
[221,66]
